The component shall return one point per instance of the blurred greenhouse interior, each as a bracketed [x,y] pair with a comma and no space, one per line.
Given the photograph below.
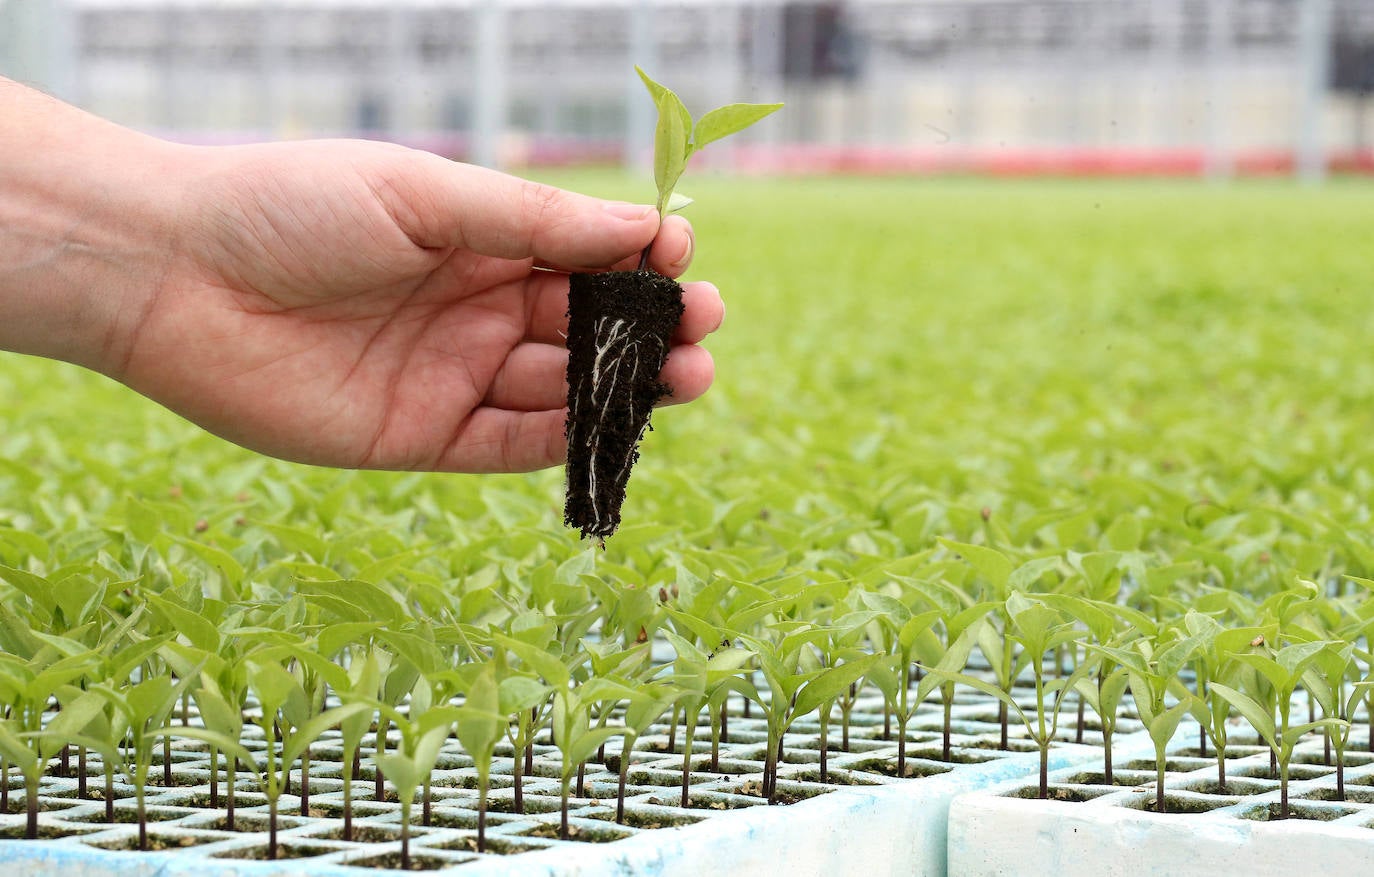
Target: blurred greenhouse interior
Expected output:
[1187,87]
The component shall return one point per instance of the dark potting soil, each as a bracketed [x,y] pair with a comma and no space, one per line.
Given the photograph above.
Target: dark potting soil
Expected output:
[392,862]
[619,328]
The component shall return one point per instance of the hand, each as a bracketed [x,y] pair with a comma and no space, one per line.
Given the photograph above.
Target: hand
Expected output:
[362,305]
[340,303]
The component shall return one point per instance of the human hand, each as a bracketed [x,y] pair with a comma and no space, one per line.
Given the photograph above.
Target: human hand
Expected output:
[364,305]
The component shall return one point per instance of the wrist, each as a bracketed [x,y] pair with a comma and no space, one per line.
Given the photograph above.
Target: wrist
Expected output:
[87,230]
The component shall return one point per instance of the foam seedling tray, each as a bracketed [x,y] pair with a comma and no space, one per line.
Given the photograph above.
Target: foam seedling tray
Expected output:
[862,819]
[1088,828]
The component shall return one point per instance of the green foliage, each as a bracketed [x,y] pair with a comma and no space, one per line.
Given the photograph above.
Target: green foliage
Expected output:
[676,138]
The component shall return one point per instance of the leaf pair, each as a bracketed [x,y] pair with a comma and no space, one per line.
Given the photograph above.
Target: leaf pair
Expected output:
[676,137]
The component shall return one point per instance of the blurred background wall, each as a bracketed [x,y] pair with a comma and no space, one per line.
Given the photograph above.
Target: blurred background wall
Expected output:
[996,86]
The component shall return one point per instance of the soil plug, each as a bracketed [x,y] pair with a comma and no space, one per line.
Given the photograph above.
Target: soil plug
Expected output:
[620,325]
[619,328]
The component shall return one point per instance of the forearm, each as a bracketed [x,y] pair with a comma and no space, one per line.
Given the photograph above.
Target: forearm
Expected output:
[87,228]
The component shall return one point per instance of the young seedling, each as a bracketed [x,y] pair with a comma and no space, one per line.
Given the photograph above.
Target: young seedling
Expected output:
[619,328]
[1282,671]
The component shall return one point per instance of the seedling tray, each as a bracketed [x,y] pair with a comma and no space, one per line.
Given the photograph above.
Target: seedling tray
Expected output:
[860,820]
[1090,829]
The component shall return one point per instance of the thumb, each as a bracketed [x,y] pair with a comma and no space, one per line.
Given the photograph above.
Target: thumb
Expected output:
[448,204]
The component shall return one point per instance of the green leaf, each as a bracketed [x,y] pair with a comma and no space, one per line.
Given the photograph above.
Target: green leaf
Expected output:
[1258,717]
[671,148]
[828,685]
[727,120]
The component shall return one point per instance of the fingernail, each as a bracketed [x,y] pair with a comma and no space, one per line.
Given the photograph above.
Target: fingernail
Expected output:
[632,212]
[681,261]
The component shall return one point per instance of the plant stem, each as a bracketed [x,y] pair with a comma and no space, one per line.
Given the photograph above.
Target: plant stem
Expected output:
[947,696]
[427,804]
[1107,755]
[1340,773]
[582,780]
[31,805]
[1078,726]
[64,766]
[825,728]
[482,818]
[770,770]
[1201,741]
[142,820]
[81,772]
[109,793]
[1221,770]
[887,720]
[349,771]
[517,768]
[305,782]
[1159,784]
[405,833]
[4,786]
[233,764]
[167,781]
[379,746]
[1002,720]
[272,828]
[626,749]
[1283,792]
[672,729]
[717,727]
[214,777]
[1044,769]
[563,807]
[687,760]
[644,258]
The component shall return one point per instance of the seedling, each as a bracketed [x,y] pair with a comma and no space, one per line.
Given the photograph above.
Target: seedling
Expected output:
[620,325]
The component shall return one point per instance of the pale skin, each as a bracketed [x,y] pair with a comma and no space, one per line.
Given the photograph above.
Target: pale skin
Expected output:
[341,303]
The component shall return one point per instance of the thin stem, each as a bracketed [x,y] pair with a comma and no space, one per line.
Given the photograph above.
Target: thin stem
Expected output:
[427,805]
[229,792]
[405,833]
[825,728]
[305,782]
[272,828]
[142,821]
[350,769]
[1044,769]
[31,806]
[644,257]
[167,780]
[214,777]
[109,793]
[482,818]
[563,808]
[625,751]
[517,771]
[81,772]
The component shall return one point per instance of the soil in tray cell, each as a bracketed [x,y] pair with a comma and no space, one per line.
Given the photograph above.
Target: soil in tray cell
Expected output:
[392,862]
[1270,812]
[1172,765]
[1355,794]
[533,804]
[913,768]
[549,831]
[158,843]
[835,777]
[1066,793]
[1352,759]
[787,793]
[1119,778]
[1295,771]
[1181,805]
[645,817]
[129,815]
[285,850]
[1234,786]
[467,819]
[45,832]
[956,756]
[250,822]
[368,834]
[497,845]
[18,804]
[335,809]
